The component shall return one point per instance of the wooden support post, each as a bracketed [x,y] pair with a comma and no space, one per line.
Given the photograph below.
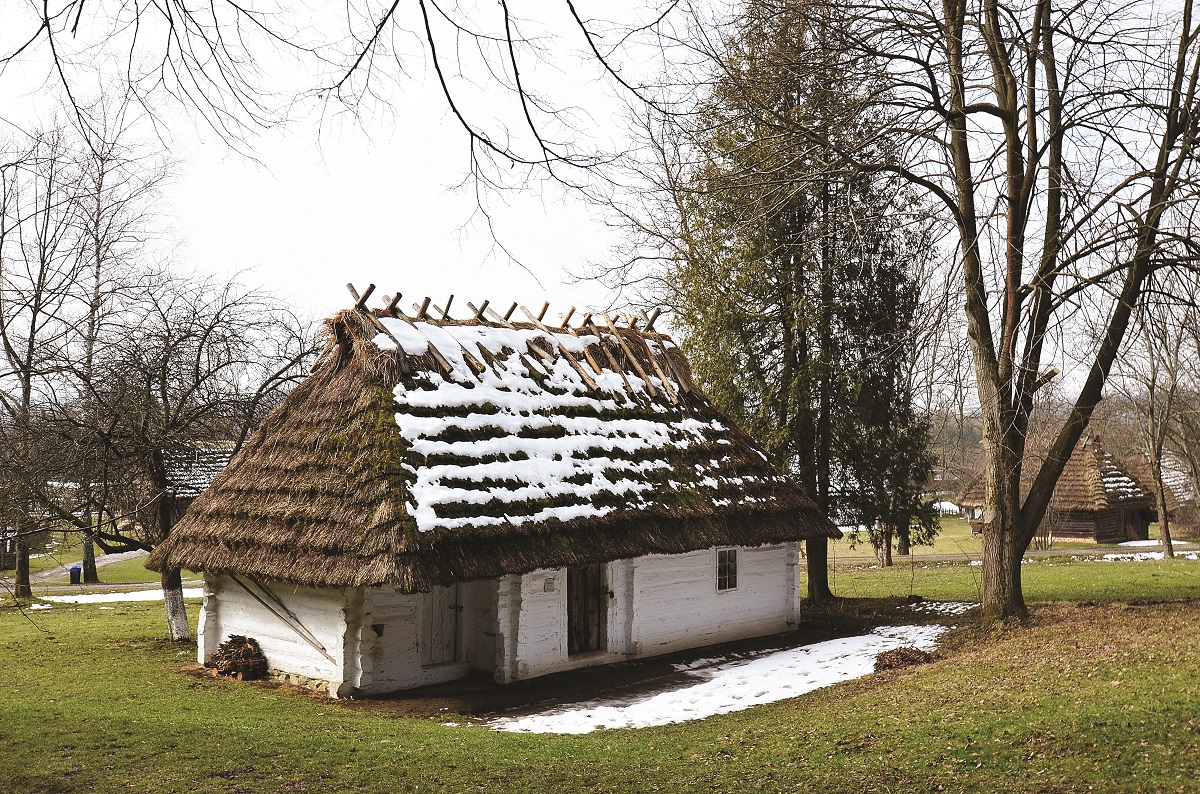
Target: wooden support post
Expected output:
[498,320]
[510,311]
[612,361]
[394,303]
[446,313]
[478,312]
[567,317]
[362,302]
[666,382]
[542,313]
[424,307]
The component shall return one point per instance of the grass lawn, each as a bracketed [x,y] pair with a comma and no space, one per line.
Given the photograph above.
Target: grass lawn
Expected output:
[1102,695]
[131,571]
[64,547]
[954,537]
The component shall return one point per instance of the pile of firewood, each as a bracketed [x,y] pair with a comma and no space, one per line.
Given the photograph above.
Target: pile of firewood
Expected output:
[902,657]
[239,656]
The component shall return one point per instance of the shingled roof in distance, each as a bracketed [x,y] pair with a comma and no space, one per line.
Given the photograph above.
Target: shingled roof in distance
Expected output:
[421,452]
[1092,481]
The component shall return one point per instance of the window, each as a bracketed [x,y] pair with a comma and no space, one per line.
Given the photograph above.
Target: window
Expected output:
[726,569]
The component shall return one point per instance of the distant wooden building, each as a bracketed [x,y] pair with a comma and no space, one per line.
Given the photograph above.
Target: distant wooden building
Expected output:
[1096,498]
[440,497]
[1183,508]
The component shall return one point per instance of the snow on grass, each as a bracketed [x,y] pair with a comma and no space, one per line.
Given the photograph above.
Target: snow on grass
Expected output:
[724,686]
[107,598]
[943,607]
[1144,556]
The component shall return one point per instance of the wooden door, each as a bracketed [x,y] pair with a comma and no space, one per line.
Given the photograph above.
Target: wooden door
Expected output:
[442,636]
[587,609]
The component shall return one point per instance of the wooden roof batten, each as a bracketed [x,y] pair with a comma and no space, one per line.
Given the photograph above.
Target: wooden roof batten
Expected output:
[610,338]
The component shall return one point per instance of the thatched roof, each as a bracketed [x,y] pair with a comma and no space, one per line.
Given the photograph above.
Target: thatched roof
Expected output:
[1092,481]
[190,471]
[422,452]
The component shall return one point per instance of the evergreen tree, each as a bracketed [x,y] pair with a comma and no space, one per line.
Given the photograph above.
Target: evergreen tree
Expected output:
[793,293]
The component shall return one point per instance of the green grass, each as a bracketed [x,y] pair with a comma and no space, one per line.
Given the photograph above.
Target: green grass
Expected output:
[954,537]
[64,547]
[1043,579]
[131,571]
[1100,695]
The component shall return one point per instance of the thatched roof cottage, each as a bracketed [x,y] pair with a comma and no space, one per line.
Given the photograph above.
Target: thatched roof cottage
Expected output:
[1096,498]
[444,496]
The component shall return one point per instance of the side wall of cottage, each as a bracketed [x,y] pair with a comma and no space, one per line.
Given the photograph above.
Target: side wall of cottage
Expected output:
[301,630]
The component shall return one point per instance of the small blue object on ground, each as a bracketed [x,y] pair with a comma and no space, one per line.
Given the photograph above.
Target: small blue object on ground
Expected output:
[76,571]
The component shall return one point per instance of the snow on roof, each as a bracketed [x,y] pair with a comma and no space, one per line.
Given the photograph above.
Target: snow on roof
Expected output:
[421,452]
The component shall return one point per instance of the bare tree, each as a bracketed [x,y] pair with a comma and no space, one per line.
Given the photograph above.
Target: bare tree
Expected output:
[38,269]
[496,66]
[191,367]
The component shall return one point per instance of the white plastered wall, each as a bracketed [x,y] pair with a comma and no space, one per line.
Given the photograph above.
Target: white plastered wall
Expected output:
[279,618]
[658,604]
[390,641]
[676,604]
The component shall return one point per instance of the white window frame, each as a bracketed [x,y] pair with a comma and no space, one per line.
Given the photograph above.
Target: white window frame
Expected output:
[717,576]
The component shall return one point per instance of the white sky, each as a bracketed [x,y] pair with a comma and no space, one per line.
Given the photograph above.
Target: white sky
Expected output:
[374,202]
[319,212]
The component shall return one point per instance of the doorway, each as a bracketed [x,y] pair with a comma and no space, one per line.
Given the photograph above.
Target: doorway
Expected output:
[443,625]
[587,609]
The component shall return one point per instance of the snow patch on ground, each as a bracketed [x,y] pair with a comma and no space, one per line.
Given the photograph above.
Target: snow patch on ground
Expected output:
[943,607]
[1143,556]
[40,606]
[107,598]
[727,686]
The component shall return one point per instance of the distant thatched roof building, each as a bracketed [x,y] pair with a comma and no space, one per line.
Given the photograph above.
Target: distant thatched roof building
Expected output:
[422,452]
[1096,496]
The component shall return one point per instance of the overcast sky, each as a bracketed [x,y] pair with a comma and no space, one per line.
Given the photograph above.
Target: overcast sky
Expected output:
[318,206]
[317,213]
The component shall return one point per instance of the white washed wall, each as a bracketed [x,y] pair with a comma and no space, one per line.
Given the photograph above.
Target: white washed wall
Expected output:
[660,604]
[228,609]
[391,641]
[676,604]
[541,624]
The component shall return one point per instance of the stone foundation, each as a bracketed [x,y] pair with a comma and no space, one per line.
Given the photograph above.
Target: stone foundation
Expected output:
[295,679]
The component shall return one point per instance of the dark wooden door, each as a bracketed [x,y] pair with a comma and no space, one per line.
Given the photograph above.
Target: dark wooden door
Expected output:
[442,639]
[587,609]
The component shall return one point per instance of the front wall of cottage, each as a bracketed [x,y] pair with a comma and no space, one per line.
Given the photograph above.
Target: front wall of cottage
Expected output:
[658,604]
[409,640]
[228,609]
[676,604]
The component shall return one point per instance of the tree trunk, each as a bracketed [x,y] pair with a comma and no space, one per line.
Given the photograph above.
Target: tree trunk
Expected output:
[1004,536]
[817,550]
[1164,521]
[177,622]
[89,556]
[21,588]
[902,543]
[884,552]
[1002,552]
